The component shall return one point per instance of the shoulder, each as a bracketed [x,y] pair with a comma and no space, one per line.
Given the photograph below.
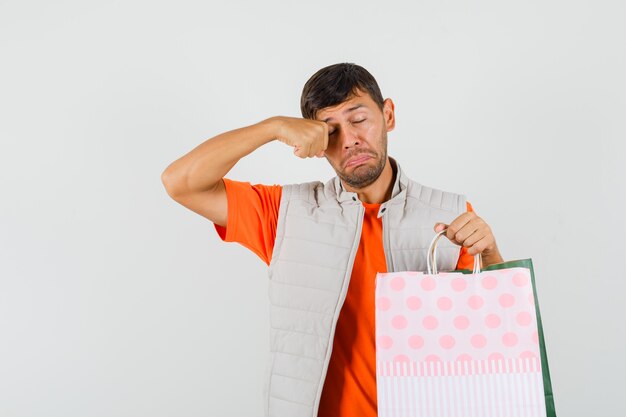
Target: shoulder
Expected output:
[246,193]
[243,186]
[307,191]
[426,196]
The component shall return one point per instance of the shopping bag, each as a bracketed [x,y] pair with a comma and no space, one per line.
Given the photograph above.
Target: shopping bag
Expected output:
[461,343]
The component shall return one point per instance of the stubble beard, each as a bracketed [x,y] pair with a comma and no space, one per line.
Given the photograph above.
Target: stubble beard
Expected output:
[364,175]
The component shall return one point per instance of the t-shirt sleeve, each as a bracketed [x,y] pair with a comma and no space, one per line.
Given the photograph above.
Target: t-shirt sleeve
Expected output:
[466,261]
[252,216]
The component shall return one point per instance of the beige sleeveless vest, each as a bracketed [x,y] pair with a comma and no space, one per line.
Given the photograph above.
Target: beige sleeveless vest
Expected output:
[317,236]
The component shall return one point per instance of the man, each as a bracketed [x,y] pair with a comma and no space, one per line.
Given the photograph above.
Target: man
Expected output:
[324,243]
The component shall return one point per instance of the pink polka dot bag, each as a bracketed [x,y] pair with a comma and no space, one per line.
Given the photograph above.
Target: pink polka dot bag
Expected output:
[461,344]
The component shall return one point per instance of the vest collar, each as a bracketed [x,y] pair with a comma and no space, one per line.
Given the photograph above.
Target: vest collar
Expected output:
[398,193]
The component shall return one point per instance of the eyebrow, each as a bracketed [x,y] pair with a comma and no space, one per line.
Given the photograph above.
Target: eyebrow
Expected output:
[359,105]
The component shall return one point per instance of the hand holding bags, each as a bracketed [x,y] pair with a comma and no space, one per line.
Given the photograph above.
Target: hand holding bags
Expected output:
[466,344]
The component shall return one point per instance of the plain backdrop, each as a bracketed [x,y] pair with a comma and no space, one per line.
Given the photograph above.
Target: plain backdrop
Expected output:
[117,301]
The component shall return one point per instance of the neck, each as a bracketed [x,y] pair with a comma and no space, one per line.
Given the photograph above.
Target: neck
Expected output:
[380,190]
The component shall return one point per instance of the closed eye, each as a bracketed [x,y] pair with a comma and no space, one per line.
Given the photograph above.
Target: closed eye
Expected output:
[356,121]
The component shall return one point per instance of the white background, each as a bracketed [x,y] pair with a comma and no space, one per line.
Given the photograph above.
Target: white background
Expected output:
[117,301]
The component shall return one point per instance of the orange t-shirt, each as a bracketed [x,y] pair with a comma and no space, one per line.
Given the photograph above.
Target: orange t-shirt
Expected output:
[350,384]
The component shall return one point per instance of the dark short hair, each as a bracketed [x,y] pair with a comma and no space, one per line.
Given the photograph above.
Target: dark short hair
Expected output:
[335,84]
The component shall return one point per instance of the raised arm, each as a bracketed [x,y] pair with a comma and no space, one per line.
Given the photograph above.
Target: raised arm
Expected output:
[195,179]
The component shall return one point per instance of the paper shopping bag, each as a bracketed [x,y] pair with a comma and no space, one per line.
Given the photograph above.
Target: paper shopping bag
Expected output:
[462,343]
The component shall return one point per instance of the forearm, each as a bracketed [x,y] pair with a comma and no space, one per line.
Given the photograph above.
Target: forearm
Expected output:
[204,166]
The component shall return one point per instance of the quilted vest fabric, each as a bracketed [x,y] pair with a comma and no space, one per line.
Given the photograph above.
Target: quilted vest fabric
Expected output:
[317,236]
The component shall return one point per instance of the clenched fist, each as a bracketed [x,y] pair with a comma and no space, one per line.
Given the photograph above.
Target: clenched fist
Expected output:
[308,137]
[472,232]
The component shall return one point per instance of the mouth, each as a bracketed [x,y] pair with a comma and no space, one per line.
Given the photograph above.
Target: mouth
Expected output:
[359,159]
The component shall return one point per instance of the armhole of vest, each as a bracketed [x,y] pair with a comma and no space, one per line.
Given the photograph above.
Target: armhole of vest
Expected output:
[462,203]
[285,197]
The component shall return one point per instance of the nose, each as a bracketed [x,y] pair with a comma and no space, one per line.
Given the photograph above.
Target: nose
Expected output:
[349,137]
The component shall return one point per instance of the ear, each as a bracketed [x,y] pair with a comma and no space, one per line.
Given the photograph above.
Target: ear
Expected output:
[388,114]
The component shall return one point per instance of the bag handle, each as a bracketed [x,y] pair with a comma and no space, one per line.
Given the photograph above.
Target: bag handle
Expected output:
[431,260]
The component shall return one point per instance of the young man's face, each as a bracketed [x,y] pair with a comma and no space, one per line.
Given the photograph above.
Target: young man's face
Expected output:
[357,138]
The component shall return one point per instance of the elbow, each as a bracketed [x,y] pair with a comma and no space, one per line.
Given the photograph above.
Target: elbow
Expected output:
[171,182]
[166,178]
